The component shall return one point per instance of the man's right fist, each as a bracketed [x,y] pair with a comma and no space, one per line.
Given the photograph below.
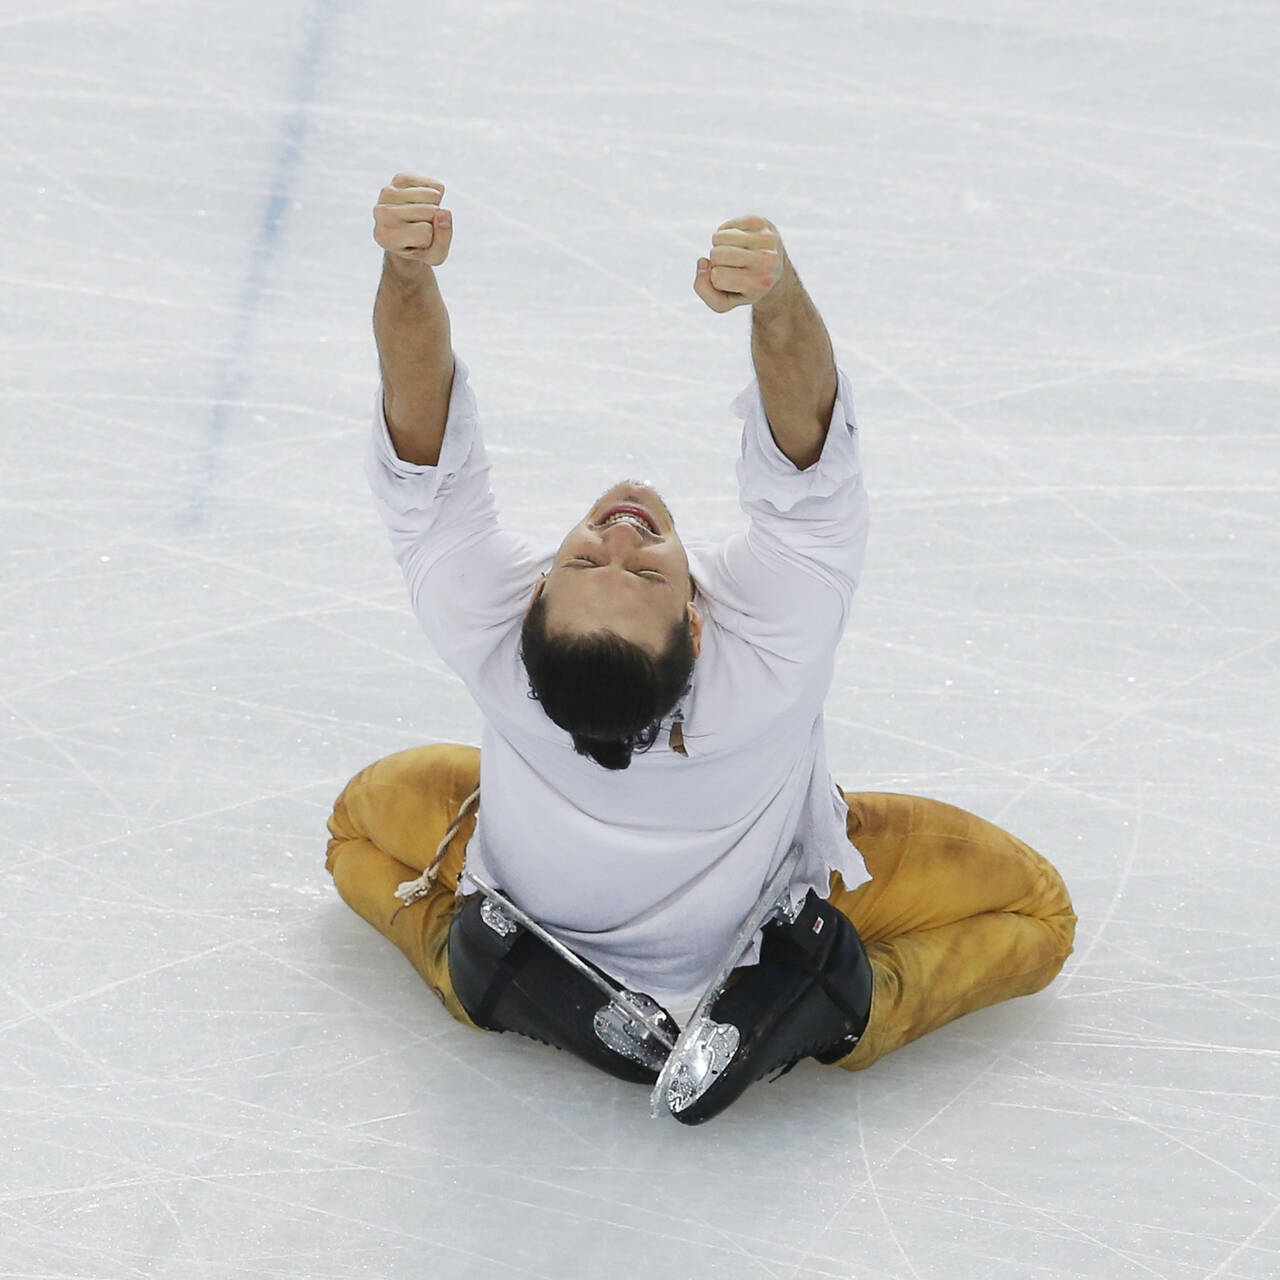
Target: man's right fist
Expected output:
[408,221]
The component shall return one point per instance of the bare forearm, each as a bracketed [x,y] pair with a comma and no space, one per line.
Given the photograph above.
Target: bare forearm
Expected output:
[410,323]
[411,327]
[790,349]
[795,367]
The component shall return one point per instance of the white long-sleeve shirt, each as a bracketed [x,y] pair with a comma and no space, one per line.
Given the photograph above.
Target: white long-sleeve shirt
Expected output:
[648,871]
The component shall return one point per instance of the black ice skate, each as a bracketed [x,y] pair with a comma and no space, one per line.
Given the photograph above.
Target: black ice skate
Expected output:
[511,975]
[809,996]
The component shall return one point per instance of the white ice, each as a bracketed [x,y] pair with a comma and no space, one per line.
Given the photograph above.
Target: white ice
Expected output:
[1046,238]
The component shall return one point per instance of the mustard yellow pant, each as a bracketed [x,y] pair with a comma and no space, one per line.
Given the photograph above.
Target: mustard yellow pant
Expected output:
[958,914]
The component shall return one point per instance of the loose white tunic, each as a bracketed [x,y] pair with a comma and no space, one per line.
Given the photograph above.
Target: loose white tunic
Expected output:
[648,871]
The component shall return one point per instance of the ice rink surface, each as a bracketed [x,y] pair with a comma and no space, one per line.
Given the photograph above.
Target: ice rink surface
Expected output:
[1046,239]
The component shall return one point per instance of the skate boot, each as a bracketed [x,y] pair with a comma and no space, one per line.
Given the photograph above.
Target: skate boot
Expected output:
[809,996]
[508,979]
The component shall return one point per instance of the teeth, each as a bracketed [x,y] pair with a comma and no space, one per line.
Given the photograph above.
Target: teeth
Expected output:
[630,519]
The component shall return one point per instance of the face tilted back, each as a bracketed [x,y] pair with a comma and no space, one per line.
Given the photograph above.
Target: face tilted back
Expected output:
[622,569]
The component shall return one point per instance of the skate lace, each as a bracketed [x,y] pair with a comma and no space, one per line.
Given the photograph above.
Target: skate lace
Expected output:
[413,890]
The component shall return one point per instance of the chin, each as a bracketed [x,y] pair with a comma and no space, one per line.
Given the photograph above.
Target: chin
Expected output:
[632,486]
[639,491]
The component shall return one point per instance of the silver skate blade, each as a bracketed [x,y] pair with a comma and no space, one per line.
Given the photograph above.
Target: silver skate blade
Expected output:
[617,995]
[693,1060]
[709,1054]
[619,1031]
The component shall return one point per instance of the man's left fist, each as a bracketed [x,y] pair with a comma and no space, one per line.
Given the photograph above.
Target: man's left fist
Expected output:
[747,260]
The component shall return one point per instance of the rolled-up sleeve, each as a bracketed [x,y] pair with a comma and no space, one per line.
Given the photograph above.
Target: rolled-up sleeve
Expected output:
[419,502]
[807,534]
[465,573]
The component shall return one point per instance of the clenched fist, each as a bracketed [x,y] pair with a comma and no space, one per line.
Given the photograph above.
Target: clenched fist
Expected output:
[747,260]
[408,221]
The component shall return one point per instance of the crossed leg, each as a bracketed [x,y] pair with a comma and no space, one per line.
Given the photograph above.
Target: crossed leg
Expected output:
[385,829]
[958,914]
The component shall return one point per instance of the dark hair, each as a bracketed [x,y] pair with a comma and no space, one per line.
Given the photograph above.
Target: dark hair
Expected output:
[609,693]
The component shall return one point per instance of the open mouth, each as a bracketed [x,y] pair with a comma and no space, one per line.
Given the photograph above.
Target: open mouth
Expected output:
[628,513]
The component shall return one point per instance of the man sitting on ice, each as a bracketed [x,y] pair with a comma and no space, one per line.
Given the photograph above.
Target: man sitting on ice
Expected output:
[653,742]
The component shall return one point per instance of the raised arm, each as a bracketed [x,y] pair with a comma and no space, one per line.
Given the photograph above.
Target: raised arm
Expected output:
[410,322]
[790,348]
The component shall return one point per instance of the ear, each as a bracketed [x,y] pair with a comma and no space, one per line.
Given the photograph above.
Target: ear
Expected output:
[695,627]
[537,591]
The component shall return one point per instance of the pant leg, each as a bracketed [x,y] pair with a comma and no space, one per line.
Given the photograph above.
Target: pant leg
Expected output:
[385,828]
[958,915]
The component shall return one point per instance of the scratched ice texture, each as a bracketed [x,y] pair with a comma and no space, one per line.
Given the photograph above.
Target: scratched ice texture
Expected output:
[1046,238]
